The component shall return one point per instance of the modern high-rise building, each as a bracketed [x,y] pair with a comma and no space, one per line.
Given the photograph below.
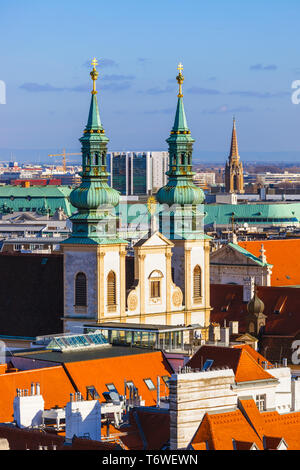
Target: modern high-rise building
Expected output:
[234,177]
[137,173]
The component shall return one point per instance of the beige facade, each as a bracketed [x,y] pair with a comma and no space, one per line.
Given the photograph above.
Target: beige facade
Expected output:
[230,265]
[155,298]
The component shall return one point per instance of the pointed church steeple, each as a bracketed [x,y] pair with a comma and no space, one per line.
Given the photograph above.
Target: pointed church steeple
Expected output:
[234,150]
[234,176]
[180,189]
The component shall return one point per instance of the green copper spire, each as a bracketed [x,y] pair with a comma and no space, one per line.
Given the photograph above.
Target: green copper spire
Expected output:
[180,189]
[94,121]
[94,198]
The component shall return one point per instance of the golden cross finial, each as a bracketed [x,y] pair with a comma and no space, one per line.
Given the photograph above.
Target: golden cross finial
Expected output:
[94,63]
[180,67]
[180,79]
[94,74]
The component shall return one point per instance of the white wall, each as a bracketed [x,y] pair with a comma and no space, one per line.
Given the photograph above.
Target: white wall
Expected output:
[111,263]
[83,417]
[75,262]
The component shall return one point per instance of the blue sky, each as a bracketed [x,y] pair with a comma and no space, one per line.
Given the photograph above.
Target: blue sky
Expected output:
[240,58]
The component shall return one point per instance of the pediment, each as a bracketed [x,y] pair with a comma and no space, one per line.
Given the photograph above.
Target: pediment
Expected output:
[229,255]
[157,239]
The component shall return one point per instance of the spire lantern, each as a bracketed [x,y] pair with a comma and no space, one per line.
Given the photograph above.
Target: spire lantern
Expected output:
[180,79]
[94,75]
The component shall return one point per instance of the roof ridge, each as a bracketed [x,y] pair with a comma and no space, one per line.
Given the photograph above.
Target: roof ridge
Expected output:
[248,419]
[245,352]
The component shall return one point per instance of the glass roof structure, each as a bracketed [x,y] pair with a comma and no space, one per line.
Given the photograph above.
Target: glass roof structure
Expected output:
[75,342]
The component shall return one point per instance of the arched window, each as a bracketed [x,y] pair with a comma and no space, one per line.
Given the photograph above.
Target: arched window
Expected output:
[111,290]
[197,283]
[155,284]
[80,290]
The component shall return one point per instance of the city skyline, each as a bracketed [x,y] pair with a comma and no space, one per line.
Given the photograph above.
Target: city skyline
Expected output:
[249,75]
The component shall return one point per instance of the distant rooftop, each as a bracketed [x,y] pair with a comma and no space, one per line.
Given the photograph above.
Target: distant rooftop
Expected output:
[60,357]
[141,327]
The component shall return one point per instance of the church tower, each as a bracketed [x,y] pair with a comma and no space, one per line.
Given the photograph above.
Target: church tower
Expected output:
[94,256]
[181,220]
[234,177]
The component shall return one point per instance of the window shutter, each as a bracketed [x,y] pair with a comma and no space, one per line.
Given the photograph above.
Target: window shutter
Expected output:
[197,282]
[111,288]
[80,290]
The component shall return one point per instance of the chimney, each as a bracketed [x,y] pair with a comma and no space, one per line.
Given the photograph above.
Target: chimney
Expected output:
[234,327]
[248,288]
[214,332]
[263,254]
[83,417]
[225,335]
[158,392]
[28,409]
[193,394]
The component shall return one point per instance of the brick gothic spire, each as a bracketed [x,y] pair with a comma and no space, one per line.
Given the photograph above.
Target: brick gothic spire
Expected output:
[234,176]
[234,150]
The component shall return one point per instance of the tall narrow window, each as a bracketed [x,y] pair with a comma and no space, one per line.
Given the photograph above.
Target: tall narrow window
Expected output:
[111,291]
[155,284]
[80,290]
[155,289]
[197,283]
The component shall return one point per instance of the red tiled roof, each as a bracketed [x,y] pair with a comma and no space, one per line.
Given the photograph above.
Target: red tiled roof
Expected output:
[219,431]
[116,370]
[23,439]
[156,428]
[148,429]
[282,255]
[284,300]
[244,365]
[54,383]
[272,443]
[255,354]
[247,425]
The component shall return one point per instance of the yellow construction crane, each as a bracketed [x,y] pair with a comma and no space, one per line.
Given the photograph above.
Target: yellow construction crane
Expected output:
[64,154]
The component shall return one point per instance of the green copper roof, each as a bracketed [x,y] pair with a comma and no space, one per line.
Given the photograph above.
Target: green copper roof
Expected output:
[180,188]
[180,191]
[221,214]
[95,221]
[36,199]
[248,254]
[93,241]
[180,123]
[94,121]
